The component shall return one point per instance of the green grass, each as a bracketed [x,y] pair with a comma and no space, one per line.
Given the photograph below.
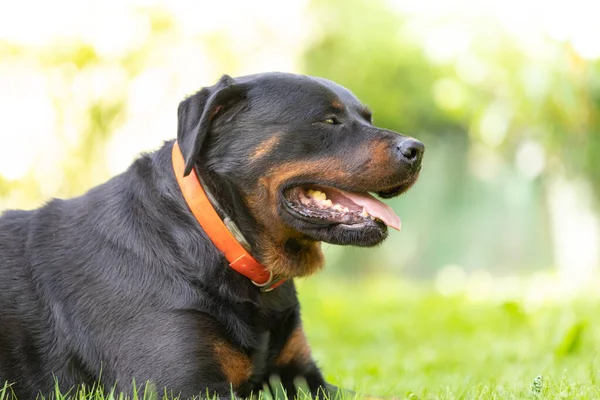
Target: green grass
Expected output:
[397,338]
[388,337]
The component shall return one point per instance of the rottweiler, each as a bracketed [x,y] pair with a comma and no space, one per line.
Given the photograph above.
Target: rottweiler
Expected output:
[131,282]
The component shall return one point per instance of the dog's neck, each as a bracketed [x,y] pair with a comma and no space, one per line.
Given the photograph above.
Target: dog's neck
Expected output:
[227,220]
[221,230]
[286,254]
[290,257]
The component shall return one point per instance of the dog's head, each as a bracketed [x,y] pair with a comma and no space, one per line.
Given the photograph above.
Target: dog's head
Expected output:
[295,160]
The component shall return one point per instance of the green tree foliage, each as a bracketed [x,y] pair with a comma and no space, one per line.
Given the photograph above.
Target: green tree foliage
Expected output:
[482,197]
[550,95]
[477,112]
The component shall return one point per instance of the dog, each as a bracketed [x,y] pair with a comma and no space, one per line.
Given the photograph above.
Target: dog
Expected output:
[180,271]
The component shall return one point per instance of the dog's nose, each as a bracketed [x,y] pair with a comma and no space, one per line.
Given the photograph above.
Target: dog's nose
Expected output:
[410,150]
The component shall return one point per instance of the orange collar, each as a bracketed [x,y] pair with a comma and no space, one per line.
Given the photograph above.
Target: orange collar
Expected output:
[239,259]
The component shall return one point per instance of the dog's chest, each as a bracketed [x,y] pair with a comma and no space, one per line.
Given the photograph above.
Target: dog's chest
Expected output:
[259,358]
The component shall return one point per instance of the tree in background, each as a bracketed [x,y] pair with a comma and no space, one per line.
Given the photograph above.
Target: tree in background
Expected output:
[510,122]
[502,120]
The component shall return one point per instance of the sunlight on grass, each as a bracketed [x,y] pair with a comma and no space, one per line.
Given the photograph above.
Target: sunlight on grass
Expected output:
[393,337]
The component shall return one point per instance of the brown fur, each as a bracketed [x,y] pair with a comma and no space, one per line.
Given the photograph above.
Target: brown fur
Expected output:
[337,105]
[263,204]
[296,349]
[377,167]
[266,147]
[236,366]
[271,244]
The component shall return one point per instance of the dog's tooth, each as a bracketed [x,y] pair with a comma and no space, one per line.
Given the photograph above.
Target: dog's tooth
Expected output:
[364,213]
[372,217]
[337,207]
[327,203]
[317,194]
[346,209]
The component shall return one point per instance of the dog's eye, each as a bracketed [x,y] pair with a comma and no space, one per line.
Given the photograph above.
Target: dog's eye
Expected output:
[331,121]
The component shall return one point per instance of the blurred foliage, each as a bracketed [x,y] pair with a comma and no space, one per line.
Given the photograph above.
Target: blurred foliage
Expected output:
[498,122]
[551,97]
[501,121]
[362,48]
[100,117]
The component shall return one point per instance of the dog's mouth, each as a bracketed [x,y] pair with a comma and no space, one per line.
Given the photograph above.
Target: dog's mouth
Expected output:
[328,205]
[344,216]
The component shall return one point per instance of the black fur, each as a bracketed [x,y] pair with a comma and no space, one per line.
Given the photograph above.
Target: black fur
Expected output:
[122,283]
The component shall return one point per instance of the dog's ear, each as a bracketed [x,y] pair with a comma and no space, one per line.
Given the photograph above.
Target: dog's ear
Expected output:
[196,113]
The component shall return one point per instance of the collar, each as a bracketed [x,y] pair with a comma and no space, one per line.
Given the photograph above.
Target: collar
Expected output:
[217,230]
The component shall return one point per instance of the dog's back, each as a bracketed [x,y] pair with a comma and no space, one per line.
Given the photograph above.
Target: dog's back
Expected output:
[51,279]
[80,283]
[24,329]
[47,260]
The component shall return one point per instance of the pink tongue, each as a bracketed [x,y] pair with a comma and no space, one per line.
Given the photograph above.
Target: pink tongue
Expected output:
[376,208]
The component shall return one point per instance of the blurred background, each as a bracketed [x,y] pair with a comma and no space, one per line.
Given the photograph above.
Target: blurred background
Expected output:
[505,95]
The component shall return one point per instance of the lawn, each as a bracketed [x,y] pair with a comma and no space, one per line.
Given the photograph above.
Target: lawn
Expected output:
[491,340]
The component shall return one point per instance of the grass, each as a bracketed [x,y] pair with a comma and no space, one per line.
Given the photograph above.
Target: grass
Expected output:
[388,337]
[397,338]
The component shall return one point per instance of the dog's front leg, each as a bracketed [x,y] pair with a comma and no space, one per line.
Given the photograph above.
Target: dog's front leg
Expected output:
[296,369]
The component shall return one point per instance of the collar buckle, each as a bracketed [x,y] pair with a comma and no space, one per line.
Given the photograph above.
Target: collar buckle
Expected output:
[269,285]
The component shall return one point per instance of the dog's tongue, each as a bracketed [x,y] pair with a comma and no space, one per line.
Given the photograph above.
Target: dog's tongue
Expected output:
[376,208]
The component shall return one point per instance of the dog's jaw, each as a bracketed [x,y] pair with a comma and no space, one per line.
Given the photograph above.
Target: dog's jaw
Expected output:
[284,251]
[289,256]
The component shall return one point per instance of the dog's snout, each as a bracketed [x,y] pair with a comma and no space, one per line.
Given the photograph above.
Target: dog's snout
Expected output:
[410,150]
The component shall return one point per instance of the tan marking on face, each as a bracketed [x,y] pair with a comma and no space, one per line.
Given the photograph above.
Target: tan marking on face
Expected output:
[262,203]
[265,147]
[304,262]
[236,366]
[214,112]
[380,151]
[296,349]
[377,170]
[366,113]
[338,105]
[331,169]
[270,245]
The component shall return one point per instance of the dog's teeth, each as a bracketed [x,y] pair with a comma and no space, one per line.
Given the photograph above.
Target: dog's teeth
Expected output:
[364,213]
[337,207]
[316,194]
[327,203]
[346,209]
[372,217]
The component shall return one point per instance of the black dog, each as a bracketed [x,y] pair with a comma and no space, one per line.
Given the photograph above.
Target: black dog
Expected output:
[122,283]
